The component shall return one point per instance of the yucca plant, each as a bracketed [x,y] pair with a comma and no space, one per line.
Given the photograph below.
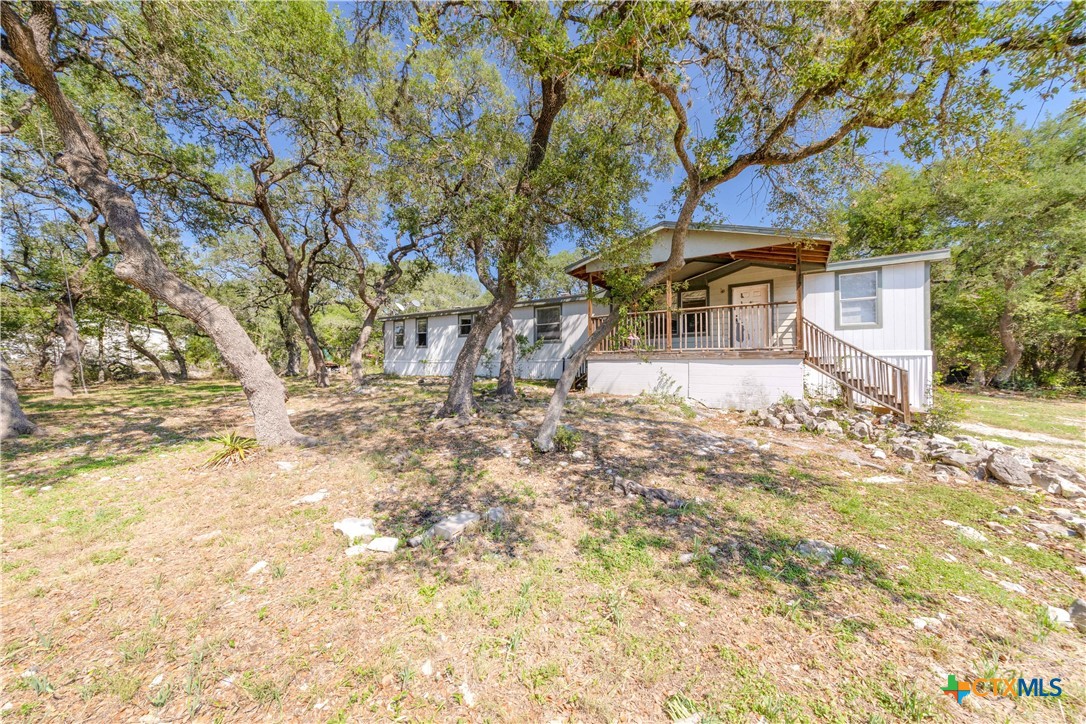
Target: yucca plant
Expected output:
[235,449]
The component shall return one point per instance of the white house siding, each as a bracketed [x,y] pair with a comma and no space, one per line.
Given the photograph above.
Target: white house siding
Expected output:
[741,384]
[903,336]
[445,343]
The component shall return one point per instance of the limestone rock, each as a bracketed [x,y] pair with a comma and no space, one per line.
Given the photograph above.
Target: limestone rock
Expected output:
[817,549]
[1008,470]
[908,453]
[355,528]
[384,545]
[495,515]
[1059,616]
[1012,587]
[1071,490]
[452,527]
[312,497]
[1078,614]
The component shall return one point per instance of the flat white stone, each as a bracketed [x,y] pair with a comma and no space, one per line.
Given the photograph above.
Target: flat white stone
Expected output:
[427,668]
[312,497]
[467,695]
[384,545]
[285,465]
[258,567]
[1012,587]
[356,550]
[355,528]
[1059,616]
[884,479]
[450,528]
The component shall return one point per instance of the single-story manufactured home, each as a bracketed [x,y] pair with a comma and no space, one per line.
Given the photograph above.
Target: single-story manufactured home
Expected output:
[753,315]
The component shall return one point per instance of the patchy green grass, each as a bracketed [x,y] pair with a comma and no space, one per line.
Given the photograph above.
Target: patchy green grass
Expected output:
[1064,418]
[583,604]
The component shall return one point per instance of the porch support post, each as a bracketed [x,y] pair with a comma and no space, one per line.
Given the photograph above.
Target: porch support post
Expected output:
[590,329]
[799,298]
[667,317]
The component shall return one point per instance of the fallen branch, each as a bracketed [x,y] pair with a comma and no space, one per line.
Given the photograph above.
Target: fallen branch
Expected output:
[629,487]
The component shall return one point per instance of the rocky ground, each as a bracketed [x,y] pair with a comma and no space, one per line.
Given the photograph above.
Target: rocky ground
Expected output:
[670,563]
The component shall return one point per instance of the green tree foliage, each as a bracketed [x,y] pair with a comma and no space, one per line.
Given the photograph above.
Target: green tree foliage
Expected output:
[1012,305]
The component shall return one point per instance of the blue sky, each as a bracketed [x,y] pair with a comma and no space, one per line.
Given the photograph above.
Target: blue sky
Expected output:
[744,200]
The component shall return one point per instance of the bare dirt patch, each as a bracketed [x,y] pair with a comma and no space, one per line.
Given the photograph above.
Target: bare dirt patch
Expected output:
[127,591]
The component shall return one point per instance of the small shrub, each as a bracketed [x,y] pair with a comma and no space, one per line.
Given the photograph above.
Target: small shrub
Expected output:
[566,438]
[234,449]
[946,409]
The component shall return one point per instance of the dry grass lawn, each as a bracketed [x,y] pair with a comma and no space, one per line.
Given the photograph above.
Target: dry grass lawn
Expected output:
[126,592]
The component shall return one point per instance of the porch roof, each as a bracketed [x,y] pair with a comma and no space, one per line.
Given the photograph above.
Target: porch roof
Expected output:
[711,247]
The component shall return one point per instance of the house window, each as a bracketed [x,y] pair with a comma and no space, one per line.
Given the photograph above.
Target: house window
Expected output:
[858,299]
[467,321]
[548,324]
[696,322]
[397,334]
[422,329]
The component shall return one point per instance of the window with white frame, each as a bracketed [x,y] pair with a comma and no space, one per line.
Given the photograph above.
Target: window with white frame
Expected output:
[858,299]
[397,334]
[548,324]
[467,321]
[422,332]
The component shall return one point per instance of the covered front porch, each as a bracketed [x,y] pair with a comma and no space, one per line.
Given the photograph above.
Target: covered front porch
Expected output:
[740,296]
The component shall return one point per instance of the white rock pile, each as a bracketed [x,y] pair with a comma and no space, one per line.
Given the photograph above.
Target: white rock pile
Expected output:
[362,529]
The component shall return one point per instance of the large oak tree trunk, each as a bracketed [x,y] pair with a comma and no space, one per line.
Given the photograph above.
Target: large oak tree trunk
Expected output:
[461,397]
[12,419]
[148,354]
[294,352]
[65,370]
[1012,348]
[507,374]
[317,369]
[358,349]
[86,164]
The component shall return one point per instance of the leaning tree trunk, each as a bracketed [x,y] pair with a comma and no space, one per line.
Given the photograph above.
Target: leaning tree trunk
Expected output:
[143,351]
[86,164]
[13,420]
[317,369]
[507,383]
[65,369]
[461,398]
[178,355]
[358,349]
[1012,348]
[544,440]
[45,353]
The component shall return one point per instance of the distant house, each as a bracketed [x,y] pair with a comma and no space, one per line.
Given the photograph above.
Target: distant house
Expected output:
[753,315]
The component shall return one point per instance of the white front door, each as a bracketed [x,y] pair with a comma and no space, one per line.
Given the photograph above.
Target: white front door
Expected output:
[751,326]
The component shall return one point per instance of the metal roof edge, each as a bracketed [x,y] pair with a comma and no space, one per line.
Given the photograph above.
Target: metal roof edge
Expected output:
[890,259]
[462,310]
[734,228]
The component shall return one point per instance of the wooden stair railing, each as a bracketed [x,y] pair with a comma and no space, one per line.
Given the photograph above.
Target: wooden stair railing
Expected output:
[865,374]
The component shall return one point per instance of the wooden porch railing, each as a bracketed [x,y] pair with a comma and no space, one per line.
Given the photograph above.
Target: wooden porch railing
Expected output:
[873,377]
[738,326]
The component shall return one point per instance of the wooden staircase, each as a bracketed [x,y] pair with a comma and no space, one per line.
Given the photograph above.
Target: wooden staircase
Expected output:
[865,374]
